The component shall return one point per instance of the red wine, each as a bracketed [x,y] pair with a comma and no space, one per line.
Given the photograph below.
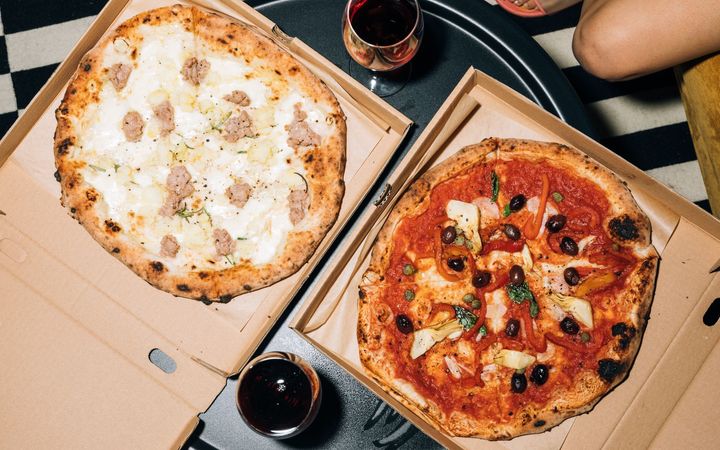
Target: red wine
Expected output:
[383,22]
[275,396]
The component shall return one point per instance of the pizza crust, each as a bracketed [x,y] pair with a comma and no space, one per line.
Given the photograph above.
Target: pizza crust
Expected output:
[324,164]
[374,339]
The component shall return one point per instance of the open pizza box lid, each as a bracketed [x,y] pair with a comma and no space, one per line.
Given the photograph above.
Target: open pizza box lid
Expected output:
[77,327]
[670,396]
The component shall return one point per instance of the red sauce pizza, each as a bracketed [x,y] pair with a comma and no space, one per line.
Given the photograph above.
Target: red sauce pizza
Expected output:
[508,289]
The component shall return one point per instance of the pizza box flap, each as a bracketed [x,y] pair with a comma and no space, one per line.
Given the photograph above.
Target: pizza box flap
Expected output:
[82,334]
[661,389]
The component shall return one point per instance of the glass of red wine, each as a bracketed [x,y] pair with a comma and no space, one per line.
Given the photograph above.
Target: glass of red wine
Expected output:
[278,394]
[382,36]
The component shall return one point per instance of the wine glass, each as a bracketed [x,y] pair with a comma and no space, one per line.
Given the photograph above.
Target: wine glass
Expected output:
[382,36]
[278,394]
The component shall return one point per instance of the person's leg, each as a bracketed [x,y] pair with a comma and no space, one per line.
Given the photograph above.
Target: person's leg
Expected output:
[621,39]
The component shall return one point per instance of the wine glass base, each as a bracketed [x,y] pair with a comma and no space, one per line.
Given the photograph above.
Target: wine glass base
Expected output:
[383,84]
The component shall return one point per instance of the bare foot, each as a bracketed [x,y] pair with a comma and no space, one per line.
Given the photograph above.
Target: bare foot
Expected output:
[527,4]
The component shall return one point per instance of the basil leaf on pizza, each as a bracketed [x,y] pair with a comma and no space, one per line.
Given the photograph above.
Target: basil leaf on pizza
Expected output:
[465,317]
[519,292]
[534,322]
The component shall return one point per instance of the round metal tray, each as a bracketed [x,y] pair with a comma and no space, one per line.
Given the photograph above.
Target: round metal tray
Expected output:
[458,34]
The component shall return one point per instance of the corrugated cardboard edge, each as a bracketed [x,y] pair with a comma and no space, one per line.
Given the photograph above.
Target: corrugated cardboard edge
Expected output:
[638,180]
[345,250]
[666,384]
[379,111]
[46,95]
[386,117]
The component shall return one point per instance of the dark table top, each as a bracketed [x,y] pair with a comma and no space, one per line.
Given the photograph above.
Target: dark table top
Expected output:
[641,120]
[458,34]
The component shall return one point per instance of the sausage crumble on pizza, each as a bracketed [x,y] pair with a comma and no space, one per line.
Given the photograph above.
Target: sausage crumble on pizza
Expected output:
[200,154]
[508,289]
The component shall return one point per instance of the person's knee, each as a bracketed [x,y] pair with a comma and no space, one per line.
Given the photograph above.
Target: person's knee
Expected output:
[598,48]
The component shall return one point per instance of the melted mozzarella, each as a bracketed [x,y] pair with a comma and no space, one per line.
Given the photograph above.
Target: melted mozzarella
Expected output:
[548,354]
[453,367]
[131,176]
[489,211]
[489,373]
[496,310]
[584,242]
[534,203]
[408,391]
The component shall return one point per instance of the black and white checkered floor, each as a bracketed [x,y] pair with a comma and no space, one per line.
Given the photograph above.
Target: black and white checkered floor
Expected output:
[642,120]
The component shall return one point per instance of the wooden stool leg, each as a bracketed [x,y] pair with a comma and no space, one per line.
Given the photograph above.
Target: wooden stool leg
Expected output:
[699,83]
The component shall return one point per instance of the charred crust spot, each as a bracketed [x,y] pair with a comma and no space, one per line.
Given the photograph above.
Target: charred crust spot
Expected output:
[225,298]
[361,294]
[203,298]
[624,228]
[229,36]
[203,275]
[624,343]
[157,266]
[247,287]
[146,19]
[526,418]
[87,67]
[183,287]
[539,423]
[609,369]
[619,329]
[62,147]
[91,195]
[116,250]
[73,91]
[73,210]
[112,226]
[646,265]
[309,158]
[222,41]
[625,332]
[277,72]
[293,70]
[57,176]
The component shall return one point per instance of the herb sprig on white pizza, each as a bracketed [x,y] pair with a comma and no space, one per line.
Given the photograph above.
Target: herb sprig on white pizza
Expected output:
[200,154]
[508,289]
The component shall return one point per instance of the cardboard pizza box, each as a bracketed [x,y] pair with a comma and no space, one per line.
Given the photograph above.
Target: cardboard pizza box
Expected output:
[669,398]
[78,329]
